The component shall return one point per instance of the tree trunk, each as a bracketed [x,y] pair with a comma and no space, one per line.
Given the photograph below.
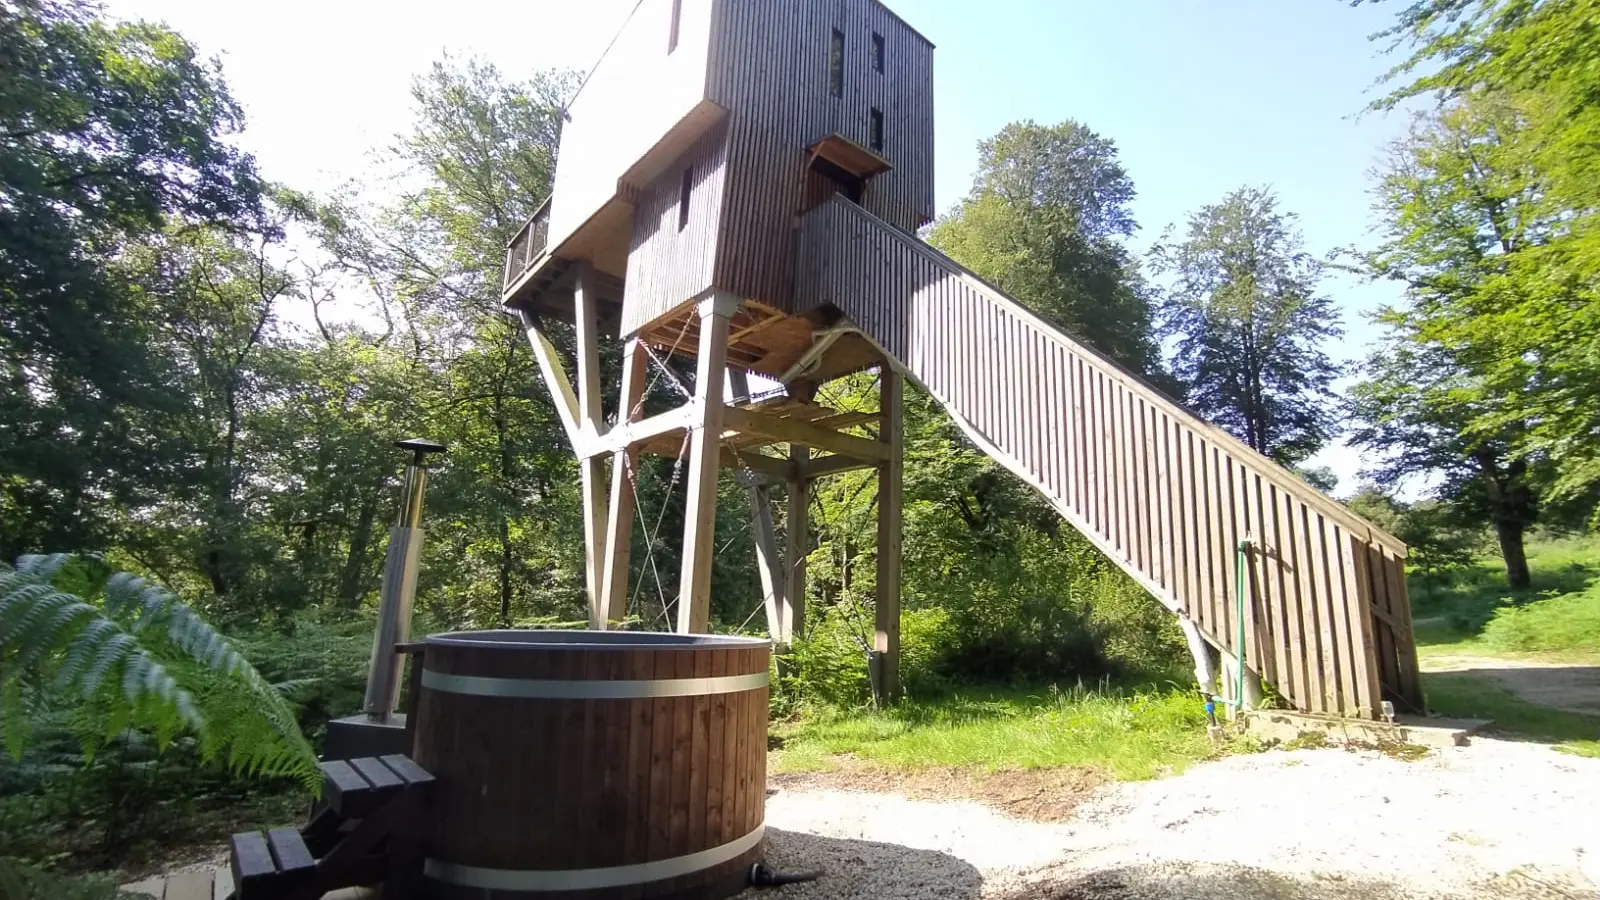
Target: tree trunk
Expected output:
[353,580]
[1509,532]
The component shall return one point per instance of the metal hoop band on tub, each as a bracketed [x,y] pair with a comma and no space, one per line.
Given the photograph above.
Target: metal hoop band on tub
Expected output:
[556,689]
[588,879]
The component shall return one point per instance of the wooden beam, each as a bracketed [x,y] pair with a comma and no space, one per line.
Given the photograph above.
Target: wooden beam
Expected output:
[797,545]
[890,477]
[700,509]
[768,467]
[791,431]
[633,434]
[591,468]
[832,465]
[762,532]
[624,463]
[555,378]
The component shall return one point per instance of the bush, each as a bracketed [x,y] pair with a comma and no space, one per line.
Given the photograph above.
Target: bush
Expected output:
[830,665]
[1569,622]
[1046,607]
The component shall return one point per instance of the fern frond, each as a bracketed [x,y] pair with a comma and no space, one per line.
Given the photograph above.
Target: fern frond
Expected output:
[147,659]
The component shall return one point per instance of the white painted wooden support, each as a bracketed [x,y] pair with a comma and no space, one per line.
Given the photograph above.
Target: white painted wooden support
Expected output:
[700,508]
[624,462]
[555,378]
[890,477]
[762,530]
[591,468]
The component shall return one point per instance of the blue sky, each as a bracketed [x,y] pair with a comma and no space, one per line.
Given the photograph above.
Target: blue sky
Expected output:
[1201,97]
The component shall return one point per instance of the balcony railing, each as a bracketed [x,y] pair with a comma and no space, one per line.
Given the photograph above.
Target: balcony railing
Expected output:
[529,244]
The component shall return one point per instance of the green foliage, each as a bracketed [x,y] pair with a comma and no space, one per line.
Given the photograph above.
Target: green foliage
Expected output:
[1447,392]
[1250,329]
[1044,222]
[1522,75]
[139,659]
[1127,734]
[107,132]
[829,666]
[1557,622]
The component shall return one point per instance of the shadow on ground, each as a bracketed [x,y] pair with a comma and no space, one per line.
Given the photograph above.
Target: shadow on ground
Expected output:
[1569,688]
[857,868]
[869,869]
[1184,881]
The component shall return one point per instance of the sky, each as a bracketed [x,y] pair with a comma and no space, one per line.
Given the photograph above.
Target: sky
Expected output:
[1200,97]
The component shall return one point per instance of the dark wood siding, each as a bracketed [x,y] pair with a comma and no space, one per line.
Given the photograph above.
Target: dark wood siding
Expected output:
[769,67]
[668,265]
[1164,494]
[535,784]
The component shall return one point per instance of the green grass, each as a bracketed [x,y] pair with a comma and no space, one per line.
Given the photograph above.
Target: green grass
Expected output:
[1464,695]
[1474,613]
[1125,734]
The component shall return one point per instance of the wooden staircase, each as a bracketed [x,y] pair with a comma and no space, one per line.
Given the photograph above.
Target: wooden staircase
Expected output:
[1164,494]
[362,831]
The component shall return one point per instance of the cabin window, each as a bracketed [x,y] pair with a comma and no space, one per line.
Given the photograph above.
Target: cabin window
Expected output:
[836,64]
[877,52]
[875,130]
[672,33]
[683,197]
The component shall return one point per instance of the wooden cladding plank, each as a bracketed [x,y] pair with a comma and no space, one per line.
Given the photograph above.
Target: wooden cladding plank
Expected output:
[1364,662]
[1333,562]
[1300,614]
[1271,569]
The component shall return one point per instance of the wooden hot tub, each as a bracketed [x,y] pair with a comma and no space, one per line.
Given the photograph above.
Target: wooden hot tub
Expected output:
[592,763]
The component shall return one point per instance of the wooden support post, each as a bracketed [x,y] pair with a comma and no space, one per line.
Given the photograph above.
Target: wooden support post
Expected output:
[591,469]
[887,641]
[797,546]
[624,462]
[762,531]
[555,378]
[700,507]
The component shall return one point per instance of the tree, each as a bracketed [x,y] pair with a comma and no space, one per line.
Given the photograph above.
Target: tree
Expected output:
[1445,394]
[1044,222]
[107,133]
[1538,339]
[1250,326]
[482,154]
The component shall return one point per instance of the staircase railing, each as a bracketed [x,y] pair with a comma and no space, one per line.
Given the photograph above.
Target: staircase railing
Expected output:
[529,244]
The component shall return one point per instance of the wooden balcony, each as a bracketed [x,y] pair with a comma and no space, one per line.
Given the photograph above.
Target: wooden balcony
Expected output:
[526,248]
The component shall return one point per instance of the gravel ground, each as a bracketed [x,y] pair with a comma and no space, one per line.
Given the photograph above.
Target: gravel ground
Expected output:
[1497,819]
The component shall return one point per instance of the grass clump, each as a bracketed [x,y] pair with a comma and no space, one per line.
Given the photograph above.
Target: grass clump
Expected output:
[1474,613]
[1127,734]
[1463,695]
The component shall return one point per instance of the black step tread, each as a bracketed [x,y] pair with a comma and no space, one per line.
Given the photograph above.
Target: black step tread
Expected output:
[250,859]
[383,780]
[342,786]
[414,775]
[290,852]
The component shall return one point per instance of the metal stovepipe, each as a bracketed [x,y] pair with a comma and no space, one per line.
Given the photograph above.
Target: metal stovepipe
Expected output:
[399,586]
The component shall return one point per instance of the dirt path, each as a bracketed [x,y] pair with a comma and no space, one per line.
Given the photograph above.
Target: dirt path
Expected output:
[1496,820]
[1563,686]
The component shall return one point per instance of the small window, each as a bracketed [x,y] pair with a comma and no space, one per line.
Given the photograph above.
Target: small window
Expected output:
[672,33]
[836,64]
[683,197]
[877,52]
[875,130]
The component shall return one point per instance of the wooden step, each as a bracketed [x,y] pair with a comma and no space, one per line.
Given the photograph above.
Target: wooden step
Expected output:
[355,787]
[269,866]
